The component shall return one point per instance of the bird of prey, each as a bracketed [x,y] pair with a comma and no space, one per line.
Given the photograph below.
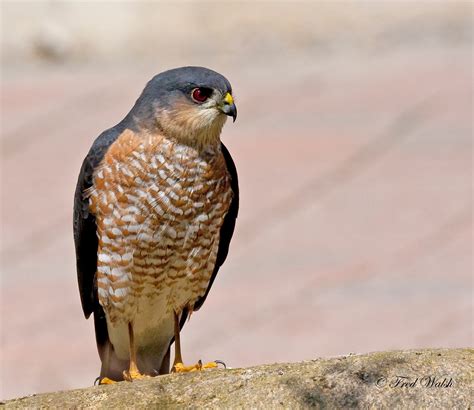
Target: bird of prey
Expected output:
[154,212]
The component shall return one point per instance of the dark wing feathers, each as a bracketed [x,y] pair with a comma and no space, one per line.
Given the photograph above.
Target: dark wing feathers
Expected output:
[85,236]
[227,228]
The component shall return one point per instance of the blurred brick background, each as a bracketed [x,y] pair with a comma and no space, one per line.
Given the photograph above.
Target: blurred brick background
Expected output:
[354,151]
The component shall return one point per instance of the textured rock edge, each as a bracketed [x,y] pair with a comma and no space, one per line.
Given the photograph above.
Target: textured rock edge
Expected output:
[436,378]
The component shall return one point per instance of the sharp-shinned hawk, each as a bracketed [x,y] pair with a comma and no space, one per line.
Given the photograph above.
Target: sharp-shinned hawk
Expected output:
[154,212]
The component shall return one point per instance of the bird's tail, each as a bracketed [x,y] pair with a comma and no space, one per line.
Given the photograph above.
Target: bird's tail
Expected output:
[112,367]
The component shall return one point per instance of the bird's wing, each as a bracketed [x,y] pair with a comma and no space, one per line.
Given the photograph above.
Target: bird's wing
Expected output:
[85,236]
[227,228]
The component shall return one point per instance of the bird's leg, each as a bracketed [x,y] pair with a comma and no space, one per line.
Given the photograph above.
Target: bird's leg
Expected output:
[177,342]
[133,373]
[178,366]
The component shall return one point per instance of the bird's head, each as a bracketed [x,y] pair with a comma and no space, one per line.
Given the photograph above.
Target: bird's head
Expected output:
[190,104]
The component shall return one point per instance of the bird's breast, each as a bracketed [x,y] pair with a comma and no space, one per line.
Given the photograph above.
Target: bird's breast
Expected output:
[159,207]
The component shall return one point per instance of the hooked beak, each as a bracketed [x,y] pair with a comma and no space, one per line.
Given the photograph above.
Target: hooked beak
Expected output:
[228,107]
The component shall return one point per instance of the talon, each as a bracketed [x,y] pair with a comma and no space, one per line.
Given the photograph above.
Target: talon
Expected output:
[220,362]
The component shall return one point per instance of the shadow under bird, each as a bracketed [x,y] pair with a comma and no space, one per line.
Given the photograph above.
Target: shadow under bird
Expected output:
[154,212]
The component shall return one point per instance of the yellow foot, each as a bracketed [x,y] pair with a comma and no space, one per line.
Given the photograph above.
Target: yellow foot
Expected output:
[181,368]
[106,380]
[130,376]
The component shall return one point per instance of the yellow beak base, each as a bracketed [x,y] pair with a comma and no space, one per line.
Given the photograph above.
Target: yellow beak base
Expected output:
[228,99]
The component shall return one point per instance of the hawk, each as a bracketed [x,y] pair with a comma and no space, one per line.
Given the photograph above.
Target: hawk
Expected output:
[154,212]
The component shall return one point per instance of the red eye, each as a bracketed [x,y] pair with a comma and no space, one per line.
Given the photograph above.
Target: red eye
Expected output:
[200,94]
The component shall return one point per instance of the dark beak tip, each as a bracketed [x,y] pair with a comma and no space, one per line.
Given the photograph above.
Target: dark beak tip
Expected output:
[230,110]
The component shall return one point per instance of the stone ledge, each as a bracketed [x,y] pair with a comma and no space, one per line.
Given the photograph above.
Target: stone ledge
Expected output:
[438,378]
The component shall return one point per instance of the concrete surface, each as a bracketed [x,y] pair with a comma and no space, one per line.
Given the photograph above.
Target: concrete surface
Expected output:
[355,231]
[426,379]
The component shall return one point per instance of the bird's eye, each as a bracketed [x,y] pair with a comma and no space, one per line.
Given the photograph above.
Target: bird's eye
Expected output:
[201,94]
